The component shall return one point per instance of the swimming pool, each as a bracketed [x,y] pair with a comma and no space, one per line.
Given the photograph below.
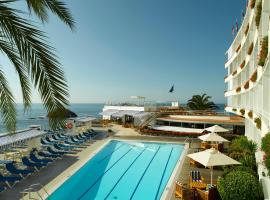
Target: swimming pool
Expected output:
[123,170]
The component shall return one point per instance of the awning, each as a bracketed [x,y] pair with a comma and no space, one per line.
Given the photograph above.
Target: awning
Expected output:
[20,136]
[108,112]
[178,129]
[85,119]
[122,113]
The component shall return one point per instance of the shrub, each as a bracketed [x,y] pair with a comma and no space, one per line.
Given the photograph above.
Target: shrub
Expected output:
[238,89]
[243,64]
[267,164]
[263,51]
[250,114]
[239,185]
[253,77]
[258,14]
[250,48]
[235,72]
[243,150]
[252,3]
[246,86]
[228,169]
[241,144]
[238,48]
[266,144]
[246,30]
[242,111]
[234,109]
[258,123]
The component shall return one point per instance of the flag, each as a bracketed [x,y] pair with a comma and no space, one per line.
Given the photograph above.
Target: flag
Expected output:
[243,15]
[172,89]
[233,31]
[236,26]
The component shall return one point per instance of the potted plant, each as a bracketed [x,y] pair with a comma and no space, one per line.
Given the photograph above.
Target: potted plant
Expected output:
[254,77]
[242,111]
[263,51]
[258,14]
[243,64]
[238,48]
[250,114]
[234,73]
[252,3]
[246,86]
[238,89]
[246,30]
[258,123]
[234,109]
[250,48]
[225,77]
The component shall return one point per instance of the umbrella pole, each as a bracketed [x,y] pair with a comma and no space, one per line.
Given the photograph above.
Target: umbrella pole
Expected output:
[211,172]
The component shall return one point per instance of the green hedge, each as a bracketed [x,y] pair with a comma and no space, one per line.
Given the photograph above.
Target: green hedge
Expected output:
[241,143]
[266,149]
[240,185]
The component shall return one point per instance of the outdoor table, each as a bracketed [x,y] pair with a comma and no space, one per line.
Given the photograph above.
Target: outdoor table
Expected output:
[198,185]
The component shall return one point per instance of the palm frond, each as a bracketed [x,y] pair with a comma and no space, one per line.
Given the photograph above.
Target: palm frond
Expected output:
[41,7]
[13,55]
[7,104]
[42,64]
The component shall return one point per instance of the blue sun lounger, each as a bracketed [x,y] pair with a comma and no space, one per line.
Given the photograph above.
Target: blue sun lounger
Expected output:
[10,179]
[2,188]
[34,158]
[48,155]
[50,150]
[14,170]
[35,165]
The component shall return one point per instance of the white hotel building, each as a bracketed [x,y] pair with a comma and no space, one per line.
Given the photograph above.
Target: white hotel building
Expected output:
[248,77]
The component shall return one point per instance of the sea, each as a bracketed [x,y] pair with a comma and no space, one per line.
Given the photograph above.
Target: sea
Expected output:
[36,115]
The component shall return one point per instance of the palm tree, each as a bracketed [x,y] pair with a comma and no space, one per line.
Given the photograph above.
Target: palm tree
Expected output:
[201,102]
[32,57]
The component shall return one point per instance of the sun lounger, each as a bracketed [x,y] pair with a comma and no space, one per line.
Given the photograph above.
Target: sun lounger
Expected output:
[56,138]
[48,155]
[34,158]
[50,150]
[61,148]
[30,164]
[2,188]
[60,135]
[10,180]
[51,140]
[73,139]
[14,170]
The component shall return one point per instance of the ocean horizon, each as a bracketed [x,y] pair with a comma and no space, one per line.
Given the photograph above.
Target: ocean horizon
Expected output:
[36,115]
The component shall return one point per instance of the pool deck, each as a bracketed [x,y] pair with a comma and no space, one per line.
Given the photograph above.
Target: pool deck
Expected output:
[57,172]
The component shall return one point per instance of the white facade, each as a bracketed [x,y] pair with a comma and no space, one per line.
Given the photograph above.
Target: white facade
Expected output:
[121,108]
[244,92]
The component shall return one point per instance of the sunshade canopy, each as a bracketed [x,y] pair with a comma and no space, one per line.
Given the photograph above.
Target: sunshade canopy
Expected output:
[125,112]
[216,129]
[108,112]
[212,157]
[20,136]
[212,137]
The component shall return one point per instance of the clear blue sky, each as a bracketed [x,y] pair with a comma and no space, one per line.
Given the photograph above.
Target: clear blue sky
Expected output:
[141,47]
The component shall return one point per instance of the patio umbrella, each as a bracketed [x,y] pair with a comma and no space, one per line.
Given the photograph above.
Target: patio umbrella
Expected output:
[216,129]
[212,137]
[212,157]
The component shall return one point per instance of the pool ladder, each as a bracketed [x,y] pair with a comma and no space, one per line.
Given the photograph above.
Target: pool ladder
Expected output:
[27,193]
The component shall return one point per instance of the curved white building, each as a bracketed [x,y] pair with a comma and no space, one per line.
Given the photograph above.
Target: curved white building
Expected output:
[248,77]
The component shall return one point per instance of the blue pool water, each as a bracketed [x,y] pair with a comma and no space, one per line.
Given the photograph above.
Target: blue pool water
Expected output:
[123,170]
